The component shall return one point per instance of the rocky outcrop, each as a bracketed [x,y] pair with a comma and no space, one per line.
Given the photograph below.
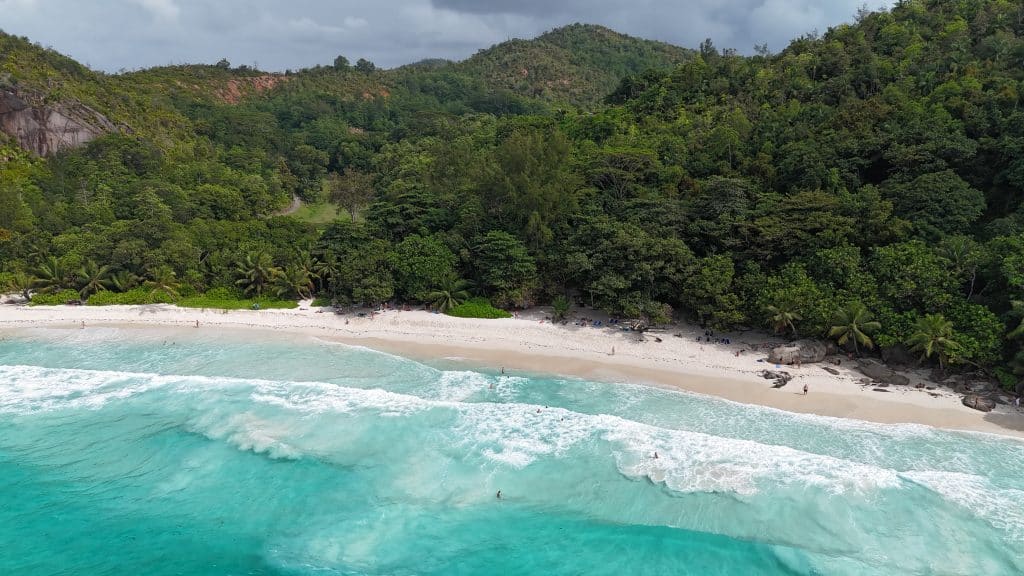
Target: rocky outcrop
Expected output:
[780,379]
[804,351]
[982,403]
[879,372]
[980,387]
[48,128]
[898,356]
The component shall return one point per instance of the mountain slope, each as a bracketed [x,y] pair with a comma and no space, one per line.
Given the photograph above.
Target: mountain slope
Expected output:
[579,63]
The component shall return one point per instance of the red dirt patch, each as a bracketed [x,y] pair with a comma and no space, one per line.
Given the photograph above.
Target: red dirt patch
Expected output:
[238,88]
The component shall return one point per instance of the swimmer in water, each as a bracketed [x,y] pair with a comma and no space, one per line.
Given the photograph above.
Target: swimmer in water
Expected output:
[499,494]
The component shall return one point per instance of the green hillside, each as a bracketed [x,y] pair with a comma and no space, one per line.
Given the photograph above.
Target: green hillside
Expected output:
[876,171]
[579,63]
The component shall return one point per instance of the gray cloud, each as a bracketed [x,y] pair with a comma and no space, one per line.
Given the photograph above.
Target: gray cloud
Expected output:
[115,34]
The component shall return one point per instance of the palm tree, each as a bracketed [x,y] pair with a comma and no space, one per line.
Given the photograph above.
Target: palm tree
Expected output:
[23,283]
[781,318]
[450,292]
[560,307]
[164,281]
[853,324]
[256,272]
[92,278]
[326,269]
[933,336]
[50,276]
[296,280]
[123,281]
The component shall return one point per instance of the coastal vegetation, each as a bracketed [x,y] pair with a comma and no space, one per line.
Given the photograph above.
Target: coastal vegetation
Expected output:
[864,184]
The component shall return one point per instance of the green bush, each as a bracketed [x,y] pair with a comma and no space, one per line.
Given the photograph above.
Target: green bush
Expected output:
[228,299]
[321,301]
[478,308]
[134,297]
[54,298]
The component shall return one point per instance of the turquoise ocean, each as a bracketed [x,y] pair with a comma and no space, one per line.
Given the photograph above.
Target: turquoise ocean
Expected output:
[139,452]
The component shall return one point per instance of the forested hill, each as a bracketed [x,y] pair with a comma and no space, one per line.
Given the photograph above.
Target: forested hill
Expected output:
[579,63]
[864,185]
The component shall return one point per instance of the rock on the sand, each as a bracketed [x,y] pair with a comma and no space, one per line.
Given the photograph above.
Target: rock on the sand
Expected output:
[979,402]
[780,378]
[881,373]
[806,351]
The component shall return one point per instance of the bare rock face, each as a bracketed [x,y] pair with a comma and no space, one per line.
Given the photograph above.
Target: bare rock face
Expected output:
[879,372]
[804,351]
[981,403]
[47,128]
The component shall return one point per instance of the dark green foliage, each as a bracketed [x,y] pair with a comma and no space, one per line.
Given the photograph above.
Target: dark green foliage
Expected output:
[421,265]
[477,308]
[133,297]
[54,298]
[505,268]
[875,168]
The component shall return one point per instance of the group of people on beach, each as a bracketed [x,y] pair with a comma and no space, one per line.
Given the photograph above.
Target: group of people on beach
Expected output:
[709,337]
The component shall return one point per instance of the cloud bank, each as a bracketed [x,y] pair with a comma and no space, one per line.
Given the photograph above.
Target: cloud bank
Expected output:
[115,34]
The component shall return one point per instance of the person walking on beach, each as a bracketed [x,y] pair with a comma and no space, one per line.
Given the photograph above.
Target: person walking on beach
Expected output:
[613,350]
[197,323]
[805,389]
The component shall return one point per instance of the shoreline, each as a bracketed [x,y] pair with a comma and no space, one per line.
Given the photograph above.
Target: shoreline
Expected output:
[527,344]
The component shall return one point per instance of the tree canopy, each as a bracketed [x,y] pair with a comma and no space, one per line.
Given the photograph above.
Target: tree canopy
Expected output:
[879,163]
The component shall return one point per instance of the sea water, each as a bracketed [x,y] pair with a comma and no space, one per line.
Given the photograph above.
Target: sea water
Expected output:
[204,452]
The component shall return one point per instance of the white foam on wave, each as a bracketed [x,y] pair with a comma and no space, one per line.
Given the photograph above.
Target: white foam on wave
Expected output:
[511,434]
[34,389]
[518,434]
[1002,508]
[457,386]
[695,462]
[249,432]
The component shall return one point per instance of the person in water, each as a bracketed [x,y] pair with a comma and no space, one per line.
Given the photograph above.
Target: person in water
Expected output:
[499,494]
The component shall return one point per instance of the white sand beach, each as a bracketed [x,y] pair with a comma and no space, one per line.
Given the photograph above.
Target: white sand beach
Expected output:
[530,344]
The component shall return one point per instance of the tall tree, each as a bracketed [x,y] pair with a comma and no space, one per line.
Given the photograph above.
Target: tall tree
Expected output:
[51,276]
[781,317]
[449,293]
[256,272]
[352,190]
[853,324]
[162,282]
[933,336]
[92,278]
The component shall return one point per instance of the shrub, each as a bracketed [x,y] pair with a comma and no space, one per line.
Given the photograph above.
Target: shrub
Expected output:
[133,297]
[230,299]
[478,308]
[54,298]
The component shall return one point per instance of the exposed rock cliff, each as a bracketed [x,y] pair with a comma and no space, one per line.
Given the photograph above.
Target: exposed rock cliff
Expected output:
[47,128]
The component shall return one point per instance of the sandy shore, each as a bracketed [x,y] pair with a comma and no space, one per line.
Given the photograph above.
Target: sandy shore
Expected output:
[529,344]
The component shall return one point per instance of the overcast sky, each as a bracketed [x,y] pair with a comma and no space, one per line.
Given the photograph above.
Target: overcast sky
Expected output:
[114,34]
